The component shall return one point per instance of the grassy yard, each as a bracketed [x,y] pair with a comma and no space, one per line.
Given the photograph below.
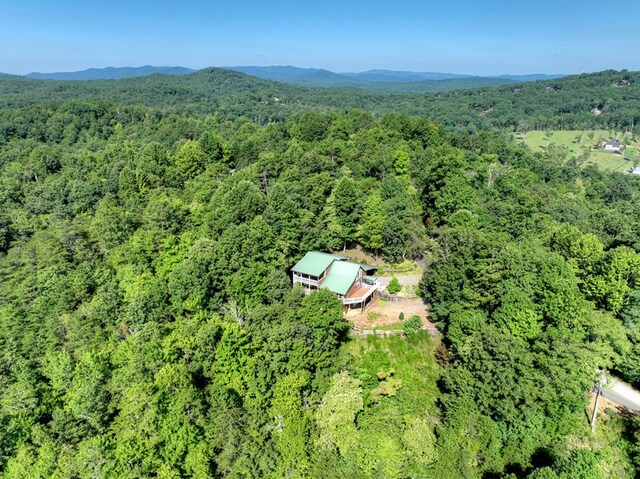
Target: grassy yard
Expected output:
[577,141]
[608,161]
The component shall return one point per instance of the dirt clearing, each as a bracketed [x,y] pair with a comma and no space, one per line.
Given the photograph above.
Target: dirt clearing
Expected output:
[386,314]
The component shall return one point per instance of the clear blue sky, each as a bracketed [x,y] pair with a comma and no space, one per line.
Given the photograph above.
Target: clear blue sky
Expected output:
[463,36]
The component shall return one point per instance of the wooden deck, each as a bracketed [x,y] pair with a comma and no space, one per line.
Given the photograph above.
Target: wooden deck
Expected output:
[361,295]
[360,292]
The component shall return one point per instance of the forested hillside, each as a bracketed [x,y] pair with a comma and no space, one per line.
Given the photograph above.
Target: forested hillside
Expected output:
[148,326]
[608,100]
[375,80]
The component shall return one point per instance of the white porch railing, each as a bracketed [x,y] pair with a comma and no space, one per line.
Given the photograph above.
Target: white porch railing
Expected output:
[359,299]
[305,281]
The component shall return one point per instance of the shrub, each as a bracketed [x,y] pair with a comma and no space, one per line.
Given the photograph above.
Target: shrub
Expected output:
[413,325]
[394,286]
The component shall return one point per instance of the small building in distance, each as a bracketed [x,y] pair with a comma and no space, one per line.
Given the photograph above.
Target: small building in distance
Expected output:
[635,171]
[353,283]
[613,146]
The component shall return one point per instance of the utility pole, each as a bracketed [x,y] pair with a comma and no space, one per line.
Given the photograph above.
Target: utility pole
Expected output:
[595,406]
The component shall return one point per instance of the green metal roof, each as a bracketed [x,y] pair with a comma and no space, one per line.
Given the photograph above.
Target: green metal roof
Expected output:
[341,276]
[314,263]
[370,278]
[368,268]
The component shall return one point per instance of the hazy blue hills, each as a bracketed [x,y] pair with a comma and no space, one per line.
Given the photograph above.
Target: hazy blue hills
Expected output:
[111,73]
[321,77]
[296,75]
[403,76]
[9,75]
[531,77]
[374,80]
[383,80]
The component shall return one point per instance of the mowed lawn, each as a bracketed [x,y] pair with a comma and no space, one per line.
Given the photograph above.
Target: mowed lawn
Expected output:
[537,140]
[576,141]
[606,160]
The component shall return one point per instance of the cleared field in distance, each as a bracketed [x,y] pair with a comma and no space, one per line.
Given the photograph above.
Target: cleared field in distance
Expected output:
[609,161]
[579,141]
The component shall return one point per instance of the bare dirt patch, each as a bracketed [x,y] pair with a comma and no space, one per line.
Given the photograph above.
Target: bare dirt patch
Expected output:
[357,254]
[385,314]
[603,403]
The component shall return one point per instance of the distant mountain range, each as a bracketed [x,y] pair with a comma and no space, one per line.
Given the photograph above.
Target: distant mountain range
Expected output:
[111,73]
[291,74]
[374,80]
[321,77]
[531,77]
[561,103]
[383,80]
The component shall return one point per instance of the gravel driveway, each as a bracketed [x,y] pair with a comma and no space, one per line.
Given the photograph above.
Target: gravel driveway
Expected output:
[405,280]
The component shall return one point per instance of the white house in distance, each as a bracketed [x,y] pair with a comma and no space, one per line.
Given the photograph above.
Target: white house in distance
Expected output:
[613,146]
[352,282]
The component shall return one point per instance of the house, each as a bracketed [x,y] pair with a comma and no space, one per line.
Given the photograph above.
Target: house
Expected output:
[352,282]
[614,146]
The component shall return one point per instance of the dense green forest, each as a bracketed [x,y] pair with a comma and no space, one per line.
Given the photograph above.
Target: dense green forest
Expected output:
[579,102]
[148,326]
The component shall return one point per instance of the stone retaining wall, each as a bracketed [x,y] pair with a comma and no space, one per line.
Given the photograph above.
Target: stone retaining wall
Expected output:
[381,333]
[385,333]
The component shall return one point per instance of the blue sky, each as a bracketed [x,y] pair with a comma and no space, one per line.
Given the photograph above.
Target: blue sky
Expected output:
[466,36]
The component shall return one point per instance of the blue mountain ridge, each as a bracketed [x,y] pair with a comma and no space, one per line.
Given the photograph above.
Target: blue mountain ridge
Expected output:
[111,73]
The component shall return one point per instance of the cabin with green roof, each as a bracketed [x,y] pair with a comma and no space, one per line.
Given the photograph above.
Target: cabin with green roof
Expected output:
[352,282]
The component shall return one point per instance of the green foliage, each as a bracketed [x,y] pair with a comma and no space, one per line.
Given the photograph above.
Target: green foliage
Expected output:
[394,435]
[401,162]
[347,201]
[211,146]
[581,464]
[516,302]
[393,239]
[190,160]
[394,286]
[370,229]
[147,320]
[413,325]
[337,413]
[293,424]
